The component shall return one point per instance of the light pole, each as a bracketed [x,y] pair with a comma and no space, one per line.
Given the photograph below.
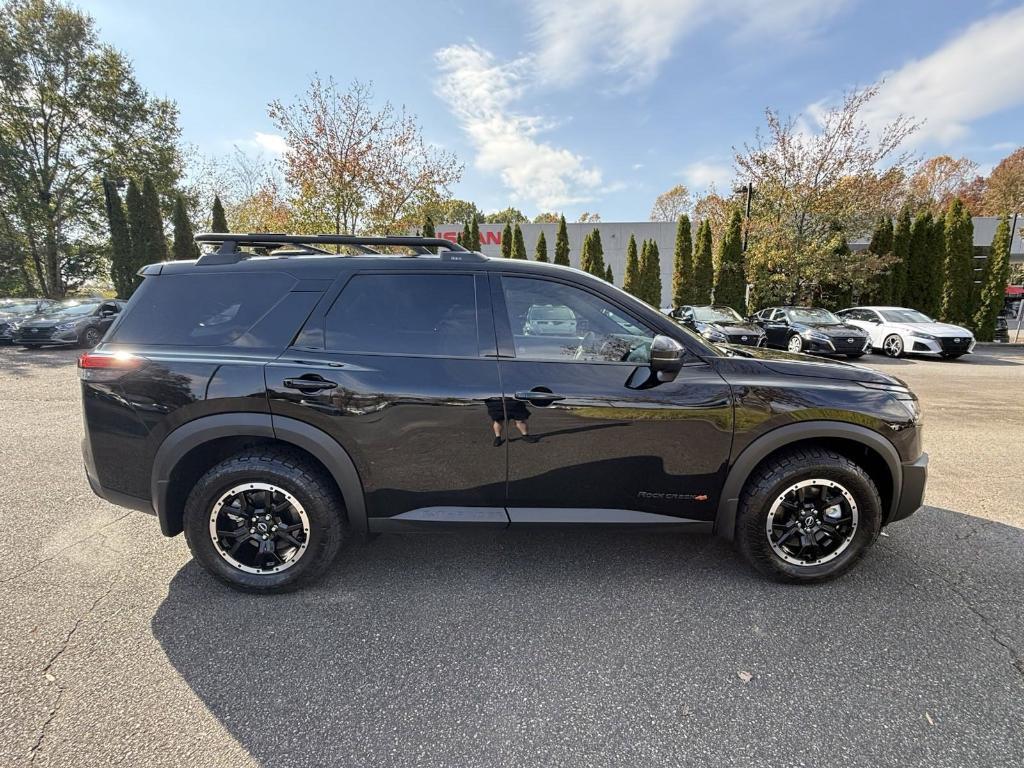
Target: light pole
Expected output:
[749,190]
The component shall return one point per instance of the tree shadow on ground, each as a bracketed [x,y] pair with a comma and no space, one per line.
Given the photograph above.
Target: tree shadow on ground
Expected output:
[610,648]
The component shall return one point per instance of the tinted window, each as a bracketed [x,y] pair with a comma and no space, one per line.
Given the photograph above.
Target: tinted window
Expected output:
[199,310]
[582,326]
[419,314]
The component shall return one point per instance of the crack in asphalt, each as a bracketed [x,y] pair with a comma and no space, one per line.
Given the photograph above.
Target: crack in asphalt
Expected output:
[39,563]
[55,707]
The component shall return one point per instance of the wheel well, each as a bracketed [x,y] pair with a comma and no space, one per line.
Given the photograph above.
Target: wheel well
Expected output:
[862,455]
[194,464]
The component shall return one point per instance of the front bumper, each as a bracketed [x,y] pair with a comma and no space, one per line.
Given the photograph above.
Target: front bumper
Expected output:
[47,338]
[832,347]
[915,476]
[940,346]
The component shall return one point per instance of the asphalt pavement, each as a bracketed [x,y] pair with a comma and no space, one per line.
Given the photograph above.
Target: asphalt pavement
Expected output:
[571,648]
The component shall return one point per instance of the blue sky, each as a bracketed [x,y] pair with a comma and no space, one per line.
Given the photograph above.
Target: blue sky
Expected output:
[586,106]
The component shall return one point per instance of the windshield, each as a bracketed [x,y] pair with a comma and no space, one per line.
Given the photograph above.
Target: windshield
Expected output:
[76,310]
[904,316]
[811,315]
[21,308]
[716,315]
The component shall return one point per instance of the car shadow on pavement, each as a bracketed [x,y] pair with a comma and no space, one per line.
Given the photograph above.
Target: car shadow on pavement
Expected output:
[612,648]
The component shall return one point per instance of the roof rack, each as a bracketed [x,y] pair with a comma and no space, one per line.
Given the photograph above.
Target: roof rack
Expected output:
[306,245]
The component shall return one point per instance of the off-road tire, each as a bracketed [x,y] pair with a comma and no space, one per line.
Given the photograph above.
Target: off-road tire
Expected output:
[282,468]
[771,478]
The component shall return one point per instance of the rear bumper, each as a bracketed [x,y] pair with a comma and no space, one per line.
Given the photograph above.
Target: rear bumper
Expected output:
[114,497]
[915,476]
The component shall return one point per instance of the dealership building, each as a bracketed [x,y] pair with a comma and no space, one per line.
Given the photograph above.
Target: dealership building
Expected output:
[615,238]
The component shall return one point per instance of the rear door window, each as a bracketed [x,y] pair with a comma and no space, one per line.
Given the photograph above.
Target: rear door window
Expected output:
[200,309]
[405,314]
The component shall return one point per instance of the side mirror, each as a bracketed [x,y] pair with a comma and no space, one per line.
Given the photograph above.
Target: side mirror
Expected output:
[107,313]
[667,356]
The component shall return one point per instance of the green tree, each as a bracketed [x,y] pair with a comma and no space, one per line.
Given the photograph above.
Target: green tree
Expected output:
[562,244]
[650,273]
[219,222]
[518,245]
[592,257]
[609,275]
[121,273]
[138,231]
[184,238]
[474,234]
[156,242]
[510,215]
[703,265]
[958,276]
[918,294]
[466,237]
[682,263]
[935,279]
[426,231]
[901,257]
[881,245]
[995,277]
[506,241]
[731,280]
[631,282]
[541,254]
[71,112]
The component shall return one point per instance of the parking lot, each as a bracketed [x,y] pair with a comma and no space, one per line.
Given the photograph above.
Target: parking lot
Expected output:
[521,648]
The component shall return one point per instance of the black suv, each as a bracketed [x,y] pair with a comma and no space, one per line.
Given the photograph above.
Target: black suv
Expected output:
[720,324]
[270,399]
[811,329]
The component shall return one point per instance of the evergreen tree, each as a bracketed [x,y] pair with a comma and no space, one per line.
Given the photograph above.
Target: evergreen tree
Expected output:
[993,284]
[219,222]
[156,242]
[518,246]
[958,276]
[562,244]
[608,274]
[466,238]
[901,257]
[136,215]
[474,234]
[703,267]
[541,254]
[506,241]
[682,263]
[184,243]
[631,282]
[918,294]
[650,273]
[936,266]
[731,281]
[585,258]
[881,245]
[121,272]
[596,255]
[429,231]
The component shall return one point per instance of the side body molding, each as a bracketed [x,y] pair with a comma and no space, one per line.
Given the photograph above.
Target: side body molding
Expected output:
[753,454]
[199,431]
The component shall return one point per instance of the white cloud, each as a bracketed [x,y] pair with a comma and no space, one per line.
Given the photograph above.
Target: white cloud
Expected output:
[975,74]
[482,94]
[270,142]
[702,174]
[632,38]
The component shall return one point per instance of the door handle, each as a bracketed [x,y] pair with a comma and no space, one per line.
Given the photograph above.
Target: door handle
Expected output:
[539,396]
[310,383]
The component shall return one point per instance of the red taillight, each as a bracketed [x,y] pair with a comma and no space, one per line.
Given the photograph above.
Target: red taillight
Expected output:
[107,366]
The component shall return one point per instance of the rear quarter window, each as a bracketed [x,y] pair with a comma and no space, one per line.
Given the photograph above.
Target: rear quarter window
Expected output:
[200,309]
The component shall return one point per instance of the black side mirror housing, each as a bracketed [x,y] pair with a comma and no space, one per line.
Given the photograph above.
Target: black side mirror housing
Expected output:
[667,357]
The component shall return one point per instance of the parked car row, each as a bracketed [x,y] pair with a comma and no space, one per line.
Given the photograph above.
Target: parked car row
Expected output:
[894,331]
[33,323]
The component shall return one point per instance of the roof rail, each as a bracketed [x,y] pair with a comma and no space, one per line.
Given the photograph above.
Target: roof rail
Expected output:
[306,245]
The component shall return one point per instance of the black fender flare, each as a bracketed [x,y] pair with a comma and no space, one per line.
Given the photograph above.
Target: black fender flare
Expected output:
[753,454]
[289,431]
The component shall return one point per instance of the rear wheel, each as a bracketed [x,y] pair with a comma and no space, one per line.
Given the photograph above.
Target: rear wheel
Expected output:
[807,516]
[264,521]
[893,345]
[90,338]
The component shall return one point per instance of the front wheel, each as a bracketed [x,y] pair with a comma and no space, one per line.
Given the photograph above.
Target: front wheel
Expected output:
[264,521]
[893,345]
[795,343]
[808,515]
[90,338]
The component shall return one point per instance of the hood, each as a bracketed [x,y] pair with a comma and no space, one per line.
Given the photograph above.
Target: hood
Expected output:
[831,329]
[735,329]
[935,329]
[795,364]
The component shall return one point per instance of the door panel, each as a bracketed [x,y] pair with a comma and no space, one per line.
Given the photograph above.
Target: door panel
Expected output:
[588,432]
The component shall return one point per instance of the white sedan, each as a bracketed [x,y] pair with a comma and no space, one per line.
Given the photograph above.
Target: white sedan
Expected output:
[897,331]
